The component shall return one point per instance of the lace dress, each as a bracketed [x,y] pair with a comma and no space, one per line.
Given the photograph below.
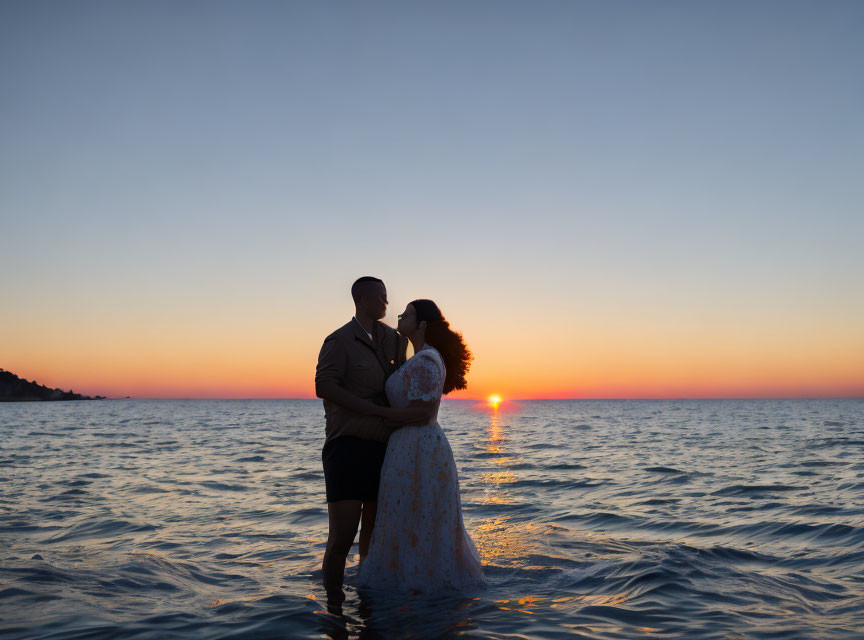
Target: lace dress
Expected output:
[419,541]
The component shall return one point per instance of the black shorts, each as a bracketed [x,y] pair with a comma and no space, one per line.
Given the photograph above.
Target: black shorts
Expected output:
[352,468]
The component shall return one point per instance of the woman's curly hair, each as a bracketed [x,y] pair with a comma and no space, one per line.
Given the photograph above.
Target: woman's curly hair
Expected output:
[449,343]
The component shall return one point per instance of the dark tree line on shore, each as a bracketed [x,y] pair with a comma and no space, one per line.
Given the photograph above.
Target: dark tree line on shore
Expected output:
[15,389]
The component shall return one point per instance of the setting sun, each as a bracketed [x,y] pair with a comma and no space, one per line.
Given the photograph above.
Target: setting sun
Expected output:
[495,401]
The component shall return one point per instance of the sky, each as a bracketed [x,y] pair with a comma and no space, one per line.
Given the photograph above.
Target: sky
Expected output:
[608,199]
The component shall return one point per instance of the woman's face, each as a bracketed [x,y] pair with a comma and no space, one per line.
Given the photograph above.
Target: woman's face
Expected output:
[407,321]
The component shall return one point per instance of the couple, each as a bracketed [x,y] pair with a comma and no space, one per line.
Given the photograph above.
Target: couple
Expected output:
[388,466]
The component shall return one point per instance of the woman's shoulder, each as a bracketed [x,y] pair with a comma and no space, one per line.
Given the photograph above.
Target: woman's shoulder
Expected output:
[424,355]
[429,351]
[430,354]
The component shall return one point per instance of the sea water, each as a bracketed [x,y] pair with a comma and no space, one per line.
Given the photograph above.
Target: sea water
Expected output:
[594,519]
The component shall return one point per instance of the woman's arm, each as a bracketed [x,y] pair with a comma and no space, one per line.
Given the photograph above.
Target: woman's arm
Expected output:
[417,413]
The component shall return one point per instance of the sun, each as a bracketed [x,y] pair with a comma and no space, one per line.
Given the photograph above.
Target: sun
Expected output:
[494,401]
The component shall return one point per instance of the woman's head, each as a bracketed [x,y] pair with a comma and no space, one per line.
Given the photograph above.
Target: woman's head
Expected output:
[423,319]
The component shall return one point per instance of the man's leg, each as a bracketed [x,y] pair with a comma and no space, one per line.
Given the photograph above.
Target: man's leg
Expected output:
[344,516]
[366,526]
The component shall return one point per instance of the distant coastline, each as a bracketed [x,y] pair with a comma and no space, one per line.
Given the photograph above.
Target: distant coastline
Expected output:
[15,389]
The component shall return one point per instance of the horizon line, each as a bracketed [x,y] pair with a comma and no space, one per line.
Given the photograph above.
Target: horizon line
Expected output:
[513,399]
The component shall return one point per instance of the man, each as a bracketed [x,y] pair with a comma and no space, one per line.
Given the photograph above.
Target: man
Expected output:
[353,366]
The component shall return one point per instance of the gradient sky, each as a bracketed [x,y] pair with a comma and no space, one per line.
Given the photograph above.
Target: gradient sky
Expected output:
[609,199]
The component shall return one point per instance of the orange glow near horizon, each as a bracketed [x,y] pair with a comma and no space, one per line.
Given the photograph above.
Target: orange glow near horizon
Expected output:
[181,382]
[234,357]
[263,380]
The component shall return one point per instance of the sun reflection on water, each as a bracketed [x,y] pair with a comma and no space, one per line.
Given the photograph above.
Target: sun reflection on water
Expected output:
[500,540]
[494,494]
[528,604]
[499,477]
[496,431]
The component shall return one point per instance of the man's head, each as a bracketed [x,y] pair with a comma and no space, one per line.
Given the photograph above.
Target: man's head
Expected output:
[370,297]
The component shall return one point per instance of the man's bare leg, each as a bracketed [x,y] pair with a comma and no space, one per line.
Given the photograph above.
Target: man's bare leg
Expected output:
[344,516]
[367,524]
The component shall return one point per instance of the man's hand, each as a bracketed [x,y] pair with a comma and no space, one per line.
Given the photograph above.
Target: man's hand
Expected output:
[417,414]
[329,390]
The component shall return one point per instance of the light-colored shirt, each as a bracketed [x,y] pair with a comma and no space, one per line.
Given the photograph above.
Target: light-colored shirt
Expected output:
[361,326]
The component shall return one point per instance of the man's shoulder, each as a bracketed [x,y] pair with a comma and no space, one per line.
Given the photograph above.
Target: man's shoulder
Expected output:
[387,330]
[345,332]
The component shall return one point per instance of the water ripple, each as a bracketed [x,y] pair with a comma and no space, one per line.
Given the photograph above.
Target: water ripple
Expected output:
[595,519]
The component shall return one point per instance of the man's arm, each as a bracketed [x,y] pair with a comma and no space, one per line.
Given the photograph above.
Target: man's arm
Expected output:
[329,390]
[416,414]
[332,362]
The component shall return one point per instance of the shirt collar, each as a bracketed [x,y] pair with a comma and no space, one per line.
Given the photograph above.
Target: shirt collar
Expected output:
[361,326]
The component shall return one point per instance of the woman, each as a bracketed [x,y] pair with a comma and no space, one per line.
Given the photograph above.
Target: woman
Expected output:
[419,541]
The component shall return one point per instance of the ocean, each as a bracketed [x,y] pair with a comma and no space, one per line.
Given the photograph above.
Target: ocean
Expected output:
[594,519]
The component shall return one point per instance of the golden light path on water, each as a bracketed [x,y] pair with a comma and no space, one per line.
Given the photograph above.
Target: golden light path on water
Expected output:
[503,542]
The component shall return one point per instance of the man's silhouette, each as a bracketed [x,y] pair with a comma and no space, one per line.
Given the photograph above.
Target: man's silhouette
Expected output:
[353,366]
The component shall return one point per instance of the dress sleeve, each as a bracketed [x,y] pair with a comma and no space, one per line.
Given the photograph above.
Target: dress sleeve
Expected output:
[426,380]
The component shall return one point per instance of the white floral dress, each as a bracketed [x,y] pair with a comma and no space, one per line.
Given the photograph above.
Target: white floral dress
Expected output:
[419,541]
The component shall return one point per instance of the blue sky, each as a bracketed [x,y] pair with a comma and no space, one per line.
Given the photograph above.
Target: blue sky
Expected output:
[586,157]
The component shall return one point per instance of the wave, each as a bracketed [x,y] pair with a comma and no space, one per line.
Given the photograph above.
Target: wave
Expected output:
[747,489]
